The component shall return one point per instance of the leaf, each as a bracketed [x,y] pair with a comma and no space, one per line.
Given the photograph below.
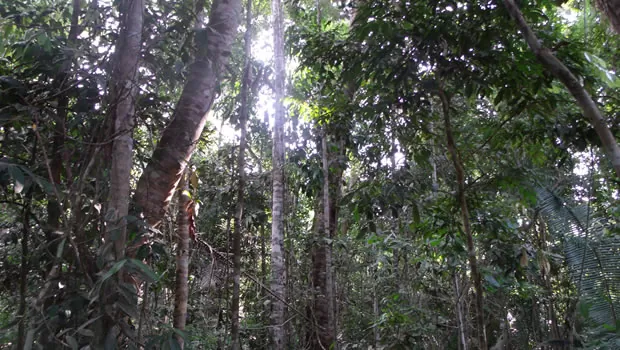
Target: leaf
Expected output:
[29,339]
[18,176]
[181,333]
[113,270]
[144,270]
[61,247]
[110,341]
[72,342]
[524,260]
[603,73]
[193,180]
[129,310]
[86,332]
[492,281]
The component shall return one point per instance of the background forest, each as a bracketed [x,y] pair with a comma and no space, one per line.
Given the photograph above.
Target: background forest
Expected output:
[309,174]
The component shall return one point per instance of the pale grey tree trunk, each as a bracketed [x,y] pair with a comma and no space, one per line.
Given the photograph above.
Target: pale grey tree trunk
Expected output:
[124,89]
[460,319]
[244,114]
[180,137]
[181,291]
[278,268]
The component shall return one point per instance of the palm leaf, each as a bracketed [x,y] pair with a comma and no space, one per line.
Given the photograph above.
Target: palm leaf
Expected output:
[592,256]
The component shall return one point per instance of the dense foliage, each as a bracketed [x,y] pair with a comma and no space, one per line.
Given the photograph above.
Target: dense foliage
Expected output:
[438,181]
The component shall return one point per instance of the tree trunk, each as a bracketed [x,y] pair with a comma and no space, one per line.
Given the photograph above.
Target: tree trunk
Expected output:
[460,319]
[179,139]
[611,9]
[243,118]
[462,200]
[181,292]
[278,269]
[322,336]
[54,209]
[124,89]
[24,265]
[562,73]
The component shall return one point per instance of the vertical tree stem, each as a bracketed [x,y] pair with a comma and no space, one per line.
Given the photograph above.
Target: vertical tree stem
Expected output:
[462,200]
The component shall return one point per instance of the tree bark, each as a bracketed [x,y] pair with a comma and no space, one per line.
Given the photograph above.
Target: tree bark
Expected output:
[243,118]
[54,209]
[460,320]
[25,256]
[611,9]
[278,268]
[563,74]
[462,200]
[181,291]
[124,90]
[322,277]
[179,139]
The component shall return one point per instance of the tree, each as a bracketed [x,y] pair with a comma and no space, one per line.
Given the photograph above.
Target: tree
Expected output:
[183,227]
[180,137]
[244,114]
[462,201]
[611,9]
[123,95]
[559,70]
[278,269]
[407,213]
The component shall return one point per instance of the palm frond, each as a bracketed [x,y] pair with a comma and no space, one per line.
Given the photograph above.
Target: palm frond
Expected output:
[592,256]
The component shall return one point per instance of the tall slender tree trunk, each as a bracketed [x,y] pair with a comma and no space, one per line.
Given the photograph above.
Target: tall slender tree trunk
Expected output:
[278,268]
[179,139]
[54,209]
[123,92]
[124,89]
[460,319]
[322,278]
[322,262]
[25,256]
[462,200]
[562,73]
[244,114]
[181,292]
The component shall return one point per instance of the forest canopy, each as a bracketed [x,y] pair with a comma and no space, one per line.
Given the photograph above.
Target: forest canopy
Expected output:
[364,174]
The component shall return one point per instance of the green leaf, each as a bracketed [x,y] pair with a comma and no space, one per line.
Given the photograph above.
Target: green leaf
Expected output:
[144,270]
[112,271]
[606,75]
[435,242]
[18,176]
[72,342]
[129,310]
[492,281]
[173,344]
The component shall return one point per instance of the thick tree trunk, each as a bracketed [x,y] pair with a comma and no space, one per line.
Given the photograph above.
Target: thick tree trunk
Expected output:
[562,73]
[124,89]
[322,336]
[181,291]
[462,200]
[243,118]
[278,268]
[180,137]
[611,9]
